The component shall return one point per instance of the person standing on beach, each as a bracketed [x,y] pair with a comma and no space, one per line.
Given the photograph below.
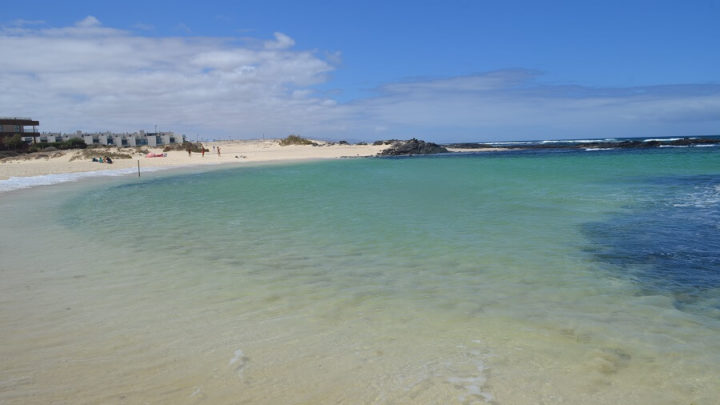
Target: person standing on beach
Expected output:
[203,151]
[218,149]
[189,151]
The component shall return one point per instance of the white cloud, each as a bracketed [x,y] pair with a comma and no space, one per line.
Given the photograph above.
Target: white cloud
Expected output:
[513,104]
[281,41]
[88,21]
[91,77]
[497,80]
[144,26]
[22,22]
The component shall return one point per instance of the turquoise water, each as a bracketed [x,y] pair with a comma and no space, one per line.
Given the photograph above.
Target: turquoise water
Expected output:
[525,277]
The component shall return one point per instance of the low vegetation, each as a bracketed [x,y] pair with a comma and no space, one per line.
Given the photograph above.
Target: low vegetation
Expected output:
[296,140]
[101,152]
[192,146]
[72,143]
[16,144]
[9,154]
[13,143]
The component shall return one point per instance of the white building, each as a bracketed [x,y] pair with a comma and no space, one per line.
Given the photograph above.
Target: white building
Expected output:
[108,138]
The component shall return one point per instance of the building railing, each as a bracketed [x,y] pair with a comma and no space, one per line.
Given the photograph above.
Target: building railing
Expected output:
[16,118]
[21,132]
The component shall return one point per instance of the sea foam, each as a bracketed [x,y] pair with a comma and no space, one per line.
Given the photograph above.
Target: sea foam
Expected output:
[474,385]
[238,362]
[17,183]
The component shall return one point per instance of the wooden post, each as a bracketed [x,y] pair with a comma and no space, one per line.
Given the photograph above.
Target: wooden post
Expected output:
[138,167]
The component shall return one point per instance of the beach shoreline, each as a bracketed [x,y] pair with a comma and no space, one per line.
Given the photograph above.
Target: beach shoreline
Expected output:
[58,166]
[231,152]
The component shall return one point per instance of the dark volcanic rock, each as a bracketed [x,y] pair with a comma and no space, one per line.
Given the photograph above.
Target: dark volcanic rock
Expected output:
[627,144]
[386,142]
[469,145]
[413,147]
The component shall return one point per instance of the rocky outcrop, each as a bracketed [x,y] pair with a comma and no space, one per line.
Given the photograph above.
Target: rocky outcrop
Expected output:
[413,147]
[626,144]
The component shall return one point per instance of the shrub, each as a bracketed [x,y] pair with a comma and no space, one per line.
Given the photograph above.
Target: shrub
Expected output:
[8,153]
[98,153]
[296,140]
[74,143]
[194,147]
[14,142]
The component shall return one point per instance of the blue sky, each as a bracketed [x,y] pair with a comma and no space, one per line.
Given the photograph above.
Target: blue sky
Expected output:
[442,71]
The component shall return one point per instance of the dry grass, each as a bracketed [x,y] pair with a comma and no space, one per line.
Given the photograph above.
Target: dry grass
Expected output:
[111,152]
[296,140]
[35,155]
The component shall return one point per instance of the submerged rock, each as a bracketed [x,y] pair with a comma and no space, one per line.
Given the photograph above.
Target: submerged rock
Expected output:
[413,147]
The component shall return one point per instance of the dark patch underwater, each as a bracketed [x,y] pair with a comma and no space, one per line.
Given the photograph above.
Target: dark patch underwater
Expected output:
[669,241]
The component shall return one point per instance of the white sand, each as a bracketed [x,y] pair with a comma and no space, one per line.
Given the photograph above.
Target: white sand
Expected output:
[57,162]
[231,152]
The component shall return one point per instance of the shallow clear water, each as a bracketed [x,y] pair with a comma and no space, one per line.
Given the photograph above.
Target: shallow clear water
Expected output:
[517,278]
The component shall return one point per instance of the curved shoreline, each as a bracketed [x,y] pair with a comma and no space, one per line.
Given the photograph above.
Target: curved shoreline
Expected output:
[47,168]
[56,167]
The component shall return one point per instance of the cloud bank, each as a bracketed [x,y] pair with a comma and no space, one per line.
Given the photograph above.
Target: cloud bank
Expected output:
[513,104]
[92,77]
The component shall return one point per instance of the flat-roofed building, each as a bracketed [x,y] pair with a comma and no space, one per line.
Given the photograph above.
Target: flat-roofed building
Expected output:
[11,126]
[19,126]
[140,138]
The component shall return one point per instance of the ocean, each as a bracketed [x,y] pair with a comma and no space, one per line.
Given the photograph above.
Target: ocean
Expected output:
[523,277]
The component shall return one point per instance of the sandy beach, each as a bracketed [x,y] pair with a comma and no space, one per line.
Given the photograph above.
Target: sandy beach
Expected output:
[511,279]
[235,151]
